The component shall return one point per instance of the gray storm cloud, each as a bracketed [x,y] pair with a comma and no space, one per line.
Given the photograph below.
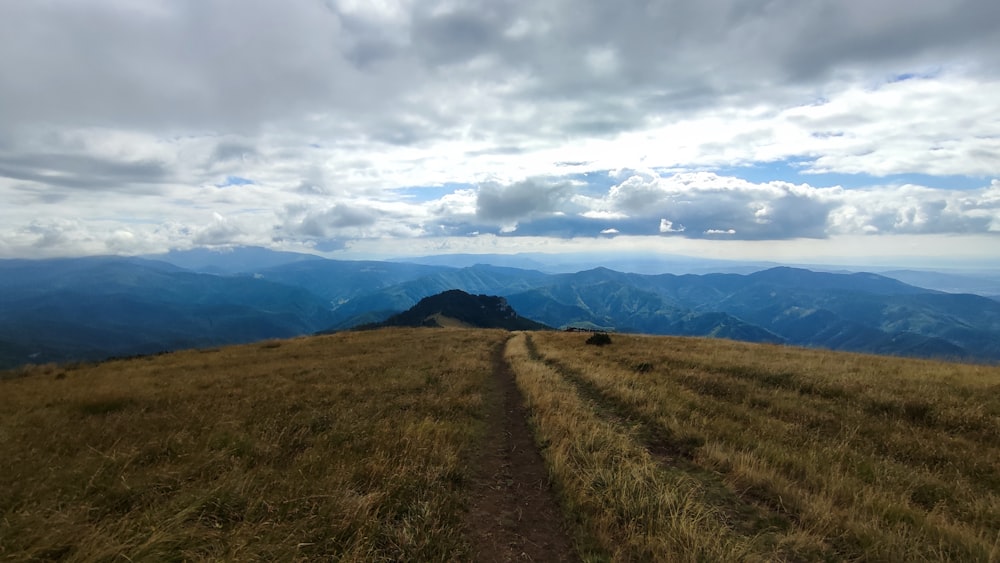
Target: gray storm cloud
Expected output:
[223,63]
[323,222]
[708,204]
[521,200]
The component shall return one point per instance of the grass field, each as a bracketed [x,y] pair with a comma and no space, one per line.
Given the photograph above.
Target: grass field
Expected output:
[365,447]
[351,447]
[686,449]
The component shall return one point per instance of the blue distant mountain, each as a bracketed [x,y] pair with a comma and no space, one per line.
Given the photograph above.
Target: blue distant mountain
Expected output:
[860,312]
[92,308]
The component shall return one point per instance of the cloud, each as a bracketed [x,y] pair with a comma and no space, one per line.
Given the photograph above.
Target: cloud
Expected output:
[81,171]
[50,235]
[184,63]
[228,151]
[861,131]
[221,231]
[667,226]
[306,221]
[637,193]
[453,34]
[120,119]
[704,204]
[916,210]
[697,202]
[122,241]
[603,214]
[521,200]
[891,31]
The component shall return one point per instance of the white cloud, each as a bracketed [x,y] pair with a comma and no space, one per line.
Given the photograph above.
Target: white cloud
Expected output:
[942,126]
[121,241]
[602,214]
[913,209]
[667,226]
[221,231]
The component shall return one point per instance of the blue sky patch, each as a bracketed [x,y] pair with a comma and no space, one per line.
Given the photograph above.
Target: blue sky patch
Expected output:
[430,193]
[792,170]
[902,77]
[234,181]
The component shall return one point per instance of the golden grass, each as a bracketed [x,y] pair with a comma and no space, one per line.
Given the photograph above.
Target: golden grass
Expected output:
[809,455]
[628,508]
[357,447]
[350,447]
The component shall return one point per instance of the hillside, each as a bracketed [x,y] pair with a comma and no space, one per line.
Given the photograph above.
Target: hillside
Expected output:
[421,445]
[456,308]
[93,308]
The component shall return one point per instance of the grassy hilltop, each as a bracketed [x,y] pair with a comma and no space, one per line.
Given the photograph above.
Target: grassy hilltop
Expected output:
[423,445]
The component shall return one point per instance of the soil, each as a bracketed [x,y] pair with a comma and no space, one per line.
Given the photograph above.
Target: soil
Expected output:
[513,513]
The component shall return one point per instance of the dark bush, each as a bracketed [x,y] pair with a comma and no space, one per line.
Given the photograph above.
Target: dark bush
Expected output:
[599,339]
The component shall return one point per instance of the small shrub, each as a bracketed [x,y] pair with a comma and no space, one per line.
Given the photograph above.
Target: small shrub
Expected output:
[599,339]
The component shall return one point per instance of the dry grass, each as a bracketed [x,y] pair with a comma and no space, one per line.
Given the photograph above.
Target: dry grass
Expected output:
[356,447]
[628,508]
[804,455]
[350,447]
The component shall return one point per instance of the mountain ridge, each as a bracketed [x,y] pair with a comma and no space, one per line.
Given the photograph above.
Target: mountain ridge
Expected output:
[89,308]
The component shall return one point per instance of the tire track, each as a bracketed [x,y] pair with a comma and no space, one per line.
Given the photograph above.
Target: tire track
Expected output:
[748,512]
[668,450]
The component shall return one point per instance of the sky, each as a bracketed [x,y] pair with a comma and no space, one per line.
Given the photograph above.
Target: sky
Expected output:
[828,131]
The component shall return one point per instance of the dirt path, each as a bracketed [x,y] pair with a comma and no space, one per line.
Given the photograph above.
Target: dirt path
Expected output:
[514,515]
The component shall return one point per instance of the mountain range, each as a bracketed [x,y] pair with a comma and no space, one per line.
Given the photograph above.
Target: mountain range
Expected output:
[92,308]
